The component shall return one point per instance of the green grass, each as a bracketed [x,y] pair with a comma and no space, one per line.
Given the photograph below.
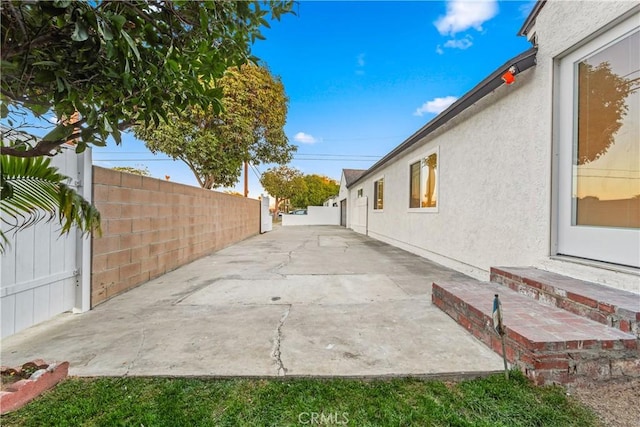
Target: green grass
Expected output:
[205,402]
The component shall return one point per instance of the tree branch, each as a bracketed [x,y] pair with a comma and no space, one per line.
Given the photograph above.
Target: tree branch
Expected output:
[42,148]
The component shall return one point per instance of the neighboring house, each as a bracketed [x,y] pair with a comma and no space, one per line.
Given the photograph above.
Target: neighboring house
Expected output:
[349,176]
[331,201]
[543,172]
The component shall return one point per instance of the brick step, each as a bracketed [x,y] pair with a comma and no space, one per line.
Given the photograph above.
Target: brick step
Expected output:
[548,344]
[613,307]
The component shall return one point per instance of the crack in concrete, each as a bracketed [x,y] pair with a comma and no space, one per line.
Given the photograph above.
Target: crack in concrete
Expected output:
[276,354]
[144,335]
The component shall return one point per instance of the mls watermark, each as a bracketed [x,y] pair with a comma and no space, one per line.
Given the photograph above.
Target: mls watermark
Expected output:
[323,419]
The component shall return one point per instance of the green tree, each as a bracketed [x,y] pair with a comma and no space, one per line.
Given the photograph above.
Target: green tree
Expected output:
[142,171]
[283,183]
[250,128]
[117,63]
[99,67]
[318,189]
[34,191]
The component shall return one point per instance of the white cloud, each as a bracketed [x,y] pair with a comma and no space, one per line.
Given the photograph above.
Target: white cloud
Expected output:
[360,59]
[304,138]
[463,43]
[462,15]
[439,50]
[435,106]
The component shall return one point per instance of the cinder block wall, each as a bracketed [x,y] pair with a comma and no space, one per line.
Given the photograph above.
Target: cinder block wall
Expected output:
[150,227]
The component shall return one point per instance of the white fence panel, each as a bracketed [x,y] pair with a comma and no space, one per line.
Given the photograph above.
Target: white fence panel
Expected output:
[41,271]
[316,215]
[266,220]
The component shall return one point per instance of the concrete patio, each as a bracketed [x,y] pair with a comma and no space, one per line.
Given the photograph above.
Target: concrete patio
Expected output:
[298,301]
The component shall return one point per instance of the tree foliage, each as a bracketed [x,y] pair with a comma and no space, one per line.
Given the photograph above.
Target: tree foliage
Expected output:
[249,128]
[34,191]
[602,107]
[118,62]
[283,183]
[142,171]
[318,189]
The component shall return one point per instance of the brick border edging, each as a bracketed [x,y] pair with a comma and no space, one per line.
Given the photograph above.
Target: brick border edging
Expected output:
[22,392]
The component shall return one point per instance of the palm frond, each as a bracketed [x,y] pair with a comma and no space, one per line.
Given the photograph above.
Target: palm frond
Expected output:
[34,191]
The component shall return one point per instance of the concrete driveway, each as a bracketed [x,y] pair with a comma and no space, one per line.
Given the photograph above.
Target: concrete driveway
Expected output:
[297,301]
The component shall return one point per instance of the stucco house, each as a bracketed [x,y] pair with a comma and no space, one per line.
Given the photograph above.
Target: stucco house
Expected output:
[543,172]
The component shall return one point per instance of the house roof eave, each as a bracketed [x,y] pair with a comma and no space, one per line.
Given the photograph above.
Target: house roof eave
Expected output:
[522,62]
[531,19]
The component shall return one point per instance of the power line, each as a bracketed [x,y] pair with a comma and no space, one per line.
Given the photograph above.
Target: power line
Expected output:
[172,160]
[295,155]
[255,171]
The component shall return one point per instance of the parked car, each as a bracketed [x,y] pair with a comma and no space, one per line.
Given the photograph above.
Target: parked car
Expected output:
[298,212]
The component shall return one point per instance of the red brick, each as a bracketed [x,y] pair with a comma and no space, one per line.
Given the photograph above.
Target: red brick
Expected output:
[24,391]
[589,302]
[607,308]
[533,283]
[624,325]
[597,317]
[464,321]
[553,364]
[607,344]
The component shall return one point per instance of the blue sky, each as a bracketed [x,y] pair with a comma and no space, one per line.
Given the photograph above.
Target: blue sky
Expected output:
[363,76]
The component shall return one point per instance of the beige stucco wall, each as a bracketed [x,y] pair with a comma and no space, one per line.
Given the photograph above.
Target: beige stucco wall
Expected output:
[495,167]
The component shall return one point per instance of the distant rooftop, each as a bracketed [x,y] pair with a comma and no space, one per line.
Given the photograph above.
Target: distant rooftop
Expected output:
[352,175]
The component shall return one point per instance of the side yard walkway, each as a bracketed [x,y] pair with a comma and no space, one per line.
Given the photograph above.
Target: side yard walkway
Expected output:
[297,301]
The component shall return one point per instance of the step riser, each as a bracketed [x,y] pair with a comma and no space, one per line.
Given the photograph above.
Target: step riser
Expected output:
[571,362]
[569,301]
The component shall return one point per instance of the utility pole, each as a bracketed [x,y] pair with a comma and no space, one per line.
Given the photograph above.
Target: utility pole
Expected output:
[246,179]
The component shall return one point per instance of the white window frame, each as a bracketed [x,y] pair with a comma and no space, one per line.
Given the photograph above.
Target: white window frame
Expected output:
[412,161]
[612,245]
[374,194]
[360,192]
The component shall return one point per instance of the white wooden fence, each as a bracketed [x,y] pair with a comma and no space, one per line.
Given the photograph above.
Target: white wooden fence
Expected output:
[42,273]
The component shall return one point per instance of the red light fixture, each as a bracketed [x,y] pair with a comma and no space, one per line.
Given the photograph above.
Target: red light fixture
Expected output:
[510,76]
